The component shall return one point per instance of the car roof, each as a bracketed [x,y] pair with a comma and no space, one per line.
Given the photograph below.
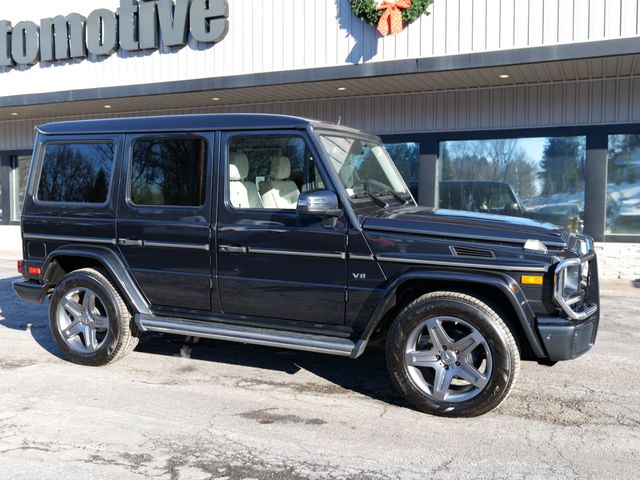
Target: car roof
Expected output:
[183,123]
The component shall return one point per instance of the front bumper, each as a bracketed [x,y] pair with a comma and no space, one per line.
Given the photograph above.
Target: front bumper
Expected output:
[565,339]
[30,290]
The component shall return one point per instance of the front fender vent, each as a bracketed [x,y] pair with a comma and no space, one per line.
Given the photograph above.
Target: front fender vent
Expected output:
[471,252]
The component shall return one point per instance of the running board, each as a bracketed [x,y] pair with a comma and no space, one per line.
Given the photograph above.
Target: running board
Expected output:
[255,336]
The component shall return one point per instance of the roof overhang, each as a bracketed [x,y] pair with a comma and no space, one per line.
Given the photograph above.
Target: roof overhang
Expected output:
[609,59]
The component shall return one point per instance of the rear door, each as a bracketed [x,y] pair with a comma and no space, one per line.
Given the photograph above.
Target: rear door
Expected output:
[164,221]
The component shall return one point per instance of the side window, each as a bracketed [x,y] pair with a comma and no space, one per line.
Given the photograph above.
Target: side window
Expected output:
[270,172]
[169,171]
[76,172]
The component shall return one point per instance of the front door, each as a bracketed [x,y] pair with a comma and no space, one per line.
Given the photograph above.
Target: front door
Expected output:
[273,263]
[164,220]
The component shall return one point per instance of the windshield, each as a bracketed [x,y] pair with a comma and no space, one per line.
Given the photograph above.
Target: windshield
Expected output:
[364,167]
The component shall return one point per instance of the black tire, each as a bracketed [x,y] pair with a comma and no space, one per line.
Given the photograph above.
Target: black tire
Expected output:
[444,307]
[121,336]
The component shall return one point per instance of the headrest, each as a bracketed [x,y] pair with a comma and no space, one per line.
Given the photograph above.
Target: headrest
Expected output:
[280,167]
[238,166]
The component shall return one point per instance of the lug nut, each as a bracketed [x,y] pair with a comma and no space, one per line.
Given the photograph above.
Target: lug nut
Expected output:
[457,351]
[444,347]
[446,367]
[437,357]
[457,364]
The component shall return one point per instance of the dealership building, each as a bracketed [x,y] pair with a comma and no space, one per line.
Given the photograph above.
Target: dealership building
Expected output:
[528,108]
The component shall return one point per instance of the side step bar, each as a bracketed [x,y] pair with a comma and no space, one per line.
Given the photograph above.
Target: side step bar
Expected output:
[250,335]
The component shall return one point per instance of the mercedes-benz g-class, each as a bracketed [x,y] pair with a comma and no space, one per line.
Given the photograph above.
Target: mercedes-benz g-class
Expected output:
[281,231]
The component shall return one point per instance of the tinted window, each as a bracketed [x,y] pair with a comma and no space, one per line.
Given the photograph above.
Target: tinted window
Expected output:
[169,172]
[76,172]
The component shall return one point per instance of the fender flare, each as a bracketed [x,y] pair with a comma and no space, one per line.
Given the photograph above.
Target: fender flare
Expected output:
[110,260]
[505,284]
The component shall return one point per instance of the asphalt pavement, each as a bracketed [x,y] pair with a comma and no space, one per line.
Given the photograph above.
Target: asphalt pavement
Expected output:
[183,409]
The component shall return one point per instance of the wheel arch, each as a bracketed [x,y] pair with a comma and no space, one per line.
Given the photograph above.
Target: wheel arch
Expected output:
[499,291]
[68,258]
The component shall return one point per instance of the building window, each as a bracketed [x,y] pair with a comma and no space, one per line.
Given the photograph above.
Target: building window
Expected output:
[169,171]
[537,178]
[406,156]
[623,185]
[19,172]
[76,172]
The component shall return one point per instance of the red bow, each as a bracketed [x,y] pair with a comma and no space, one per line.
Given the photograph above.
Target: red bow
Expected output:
[391,19]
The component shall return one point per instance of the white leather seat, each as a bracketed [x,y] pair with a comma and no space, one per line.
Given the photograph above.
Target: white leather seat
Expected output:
[242,194]
[279,191]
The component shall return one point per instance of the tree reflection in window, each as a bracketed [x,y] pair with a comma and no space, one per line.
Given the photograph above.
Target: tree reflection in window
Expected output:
[623,185]
[76,172]
[541,178]
[169,172]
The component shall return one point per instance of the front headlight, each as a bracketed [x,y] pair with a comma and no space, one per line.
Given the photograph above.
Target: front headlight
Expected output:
[570,286]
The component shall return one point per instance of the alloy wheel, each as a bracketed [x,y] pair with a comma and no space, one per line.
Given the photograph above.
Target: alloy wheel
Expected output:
[82,320]
[448,359]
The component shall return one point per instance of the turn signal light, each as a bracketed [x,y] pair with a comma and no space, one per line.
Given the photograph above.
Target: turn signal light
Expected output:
[19,266]
[531,280]
[34,270]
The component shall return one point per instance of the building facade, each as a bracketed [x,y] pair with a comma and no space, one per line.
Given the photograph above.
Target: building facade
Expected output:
[527,108]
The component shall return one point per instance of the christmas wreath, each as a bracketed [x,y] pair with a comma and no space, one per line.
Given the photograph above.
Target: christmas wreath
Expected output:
[390,16]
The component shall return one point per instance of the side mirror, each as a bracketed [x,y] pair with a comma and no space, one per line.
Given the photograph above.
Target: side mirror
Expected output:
[322,203]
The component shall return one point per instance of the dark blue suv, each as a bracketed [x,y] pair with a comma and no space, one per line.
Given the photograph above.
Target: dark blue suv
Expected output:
[281,231]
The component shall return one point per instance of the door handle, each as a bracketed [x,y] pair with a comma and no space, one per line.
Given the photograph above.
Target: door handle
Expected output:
[130,242]
[232,249]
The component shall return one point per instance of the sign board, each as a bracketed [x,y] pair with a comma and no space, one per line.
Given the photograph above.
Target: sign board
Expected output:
[135,25]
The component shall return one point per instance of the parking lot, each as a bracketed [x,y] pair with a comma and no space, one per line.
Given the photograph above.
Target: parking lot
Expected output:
[181,409]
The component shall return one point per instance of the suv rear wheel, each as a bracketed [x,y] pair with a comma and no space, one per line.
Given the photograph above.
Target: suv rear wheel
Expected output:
[452,355]
[89,320]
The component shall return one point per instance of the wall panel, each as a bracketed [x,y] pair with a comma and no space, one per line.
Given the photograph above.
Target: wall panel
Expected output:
[589,102]
[277,35]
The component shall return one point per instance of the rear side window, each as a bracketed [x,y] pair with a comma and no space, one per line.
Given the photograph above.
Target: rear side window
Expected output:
[76,172]
[169,172]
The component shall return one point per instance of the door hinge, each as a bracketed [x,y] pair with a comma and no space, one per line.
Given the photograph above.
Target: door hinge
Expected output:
[346,296]
[210,283]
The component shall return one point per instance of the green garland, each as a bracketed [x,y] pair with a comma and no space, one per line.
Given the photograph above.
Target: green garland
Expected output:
[366,10]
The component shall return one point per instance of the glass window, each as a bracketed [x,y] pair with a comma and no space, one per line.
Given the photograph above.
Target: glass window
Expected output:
[364,167]
[169,171]
[270,172]
[19,172]
[76,172]
[406,156]
[623,185]
[537,178]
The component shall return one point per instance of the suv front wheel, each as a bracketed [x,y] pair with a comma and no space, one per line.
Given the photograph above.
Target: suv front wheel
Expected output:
[450,354]
[89,320]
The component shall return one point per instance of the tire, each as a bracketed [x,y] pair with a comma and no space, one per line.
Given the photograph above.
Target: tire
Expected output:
[89,320]
[451,355]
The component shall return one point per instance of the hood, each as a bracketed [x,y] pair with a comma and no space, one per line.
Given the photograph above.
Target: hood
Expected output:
[466,225]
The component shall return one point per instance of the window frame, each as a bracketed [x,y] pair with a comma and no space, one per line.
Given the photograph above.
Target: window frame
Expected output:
[42,150]
[168,136]
[228,138]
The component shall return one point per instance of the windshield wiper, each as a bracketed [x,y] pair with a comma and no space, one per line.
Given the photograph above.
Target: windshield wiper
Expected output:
[402,200]
[377,200]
